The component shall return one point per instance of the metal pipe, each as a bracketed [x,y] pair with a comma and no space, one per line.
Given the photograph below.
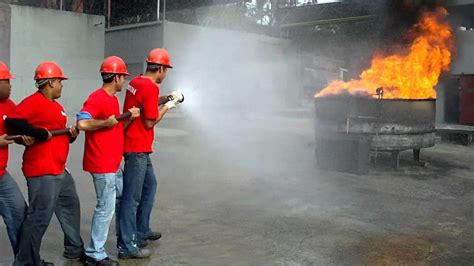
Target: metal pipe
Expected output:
[164,10]
[327,21]
[158,10]
[108,13]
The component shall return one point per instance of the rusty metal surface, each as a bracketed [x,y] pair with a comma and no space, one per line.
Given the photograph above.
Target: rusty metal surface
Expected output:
[395,124]
[402,142]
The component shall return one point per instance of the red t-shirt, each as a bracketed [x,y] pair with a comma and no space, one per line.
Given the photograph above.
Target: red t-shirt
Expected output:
[47,157]
[6,108]
[142,92]
[103,148]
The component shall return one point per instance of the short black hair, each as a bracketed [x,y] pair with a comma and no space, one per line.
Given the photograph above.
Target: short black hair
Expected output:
[109,77]
[42,86]
[153,68]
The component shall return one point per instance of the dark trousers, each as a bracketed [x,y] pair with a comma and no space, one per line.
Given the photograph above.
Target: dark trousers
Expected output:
[138,196]
[47,195]
[12,209]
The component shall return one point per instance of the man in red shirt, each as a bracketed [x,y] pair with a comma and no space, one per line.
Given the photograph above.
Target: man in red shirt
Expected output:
[139,181]
[103,151]
[12,203]
[51,188]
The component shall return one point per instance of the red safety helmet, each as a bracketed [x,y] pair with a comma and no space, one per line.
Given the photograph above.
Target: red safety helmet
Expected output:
[5,72]
[159,56]
[49,70]
[114,65]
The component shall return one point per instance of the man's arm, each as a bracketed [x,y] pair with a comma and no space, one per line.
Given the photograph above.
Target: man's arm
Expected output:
[85,122]
[153,114]
[149,123]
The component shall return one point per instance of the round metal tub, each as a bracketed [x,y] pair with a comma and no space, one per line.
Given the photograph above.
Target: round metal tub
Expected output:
[390,124]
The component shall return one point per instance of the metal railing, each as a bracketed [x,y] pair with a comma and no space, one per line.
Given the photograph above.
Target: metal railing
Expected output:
[117,12]
[94,7]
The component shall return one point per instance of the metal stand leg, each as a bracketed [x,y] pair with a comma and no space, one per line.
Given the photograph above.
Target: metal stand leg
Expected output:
[416,155]
[396,159]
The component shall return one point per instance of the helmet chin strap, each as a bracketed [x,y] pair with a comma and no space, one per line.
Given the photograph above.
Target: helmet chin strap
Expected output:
[40,82]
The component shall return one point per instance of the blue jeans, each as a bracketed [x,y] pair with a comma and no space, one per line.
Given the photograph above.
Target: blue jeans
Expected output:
[139,188]
[107,187]
[12,209]
[48,195]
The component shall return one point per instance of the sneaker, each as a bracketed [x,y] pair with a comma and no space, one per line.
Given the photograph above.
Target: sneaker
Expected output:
[141,243]
[142,253]
[153,236]
[105,262]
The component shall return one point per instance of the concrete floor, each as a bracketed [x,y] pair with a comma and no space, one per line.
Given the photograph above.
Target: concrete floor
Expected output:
[248,194]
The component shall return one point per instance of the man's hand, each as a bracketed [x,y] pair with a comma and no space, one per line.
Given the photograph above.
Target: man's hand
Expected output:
[111,121]
[27,140]
[4,141]
[73,132]
[171,104]
[135,112]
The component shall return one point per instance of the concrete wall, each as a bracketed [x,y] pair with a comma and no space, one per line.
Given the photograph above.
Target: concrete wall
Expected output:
[75,41]
[464,61]
[133,44]
[5,29]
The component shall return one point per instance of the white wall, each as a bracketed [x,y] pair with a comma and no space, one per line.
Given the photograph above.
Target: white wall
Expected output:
[31,35]
[464,60]
[75,41]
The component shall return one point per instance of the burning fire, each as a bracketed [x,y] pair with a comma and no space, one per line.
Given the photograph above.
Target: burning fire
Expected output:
[412,74]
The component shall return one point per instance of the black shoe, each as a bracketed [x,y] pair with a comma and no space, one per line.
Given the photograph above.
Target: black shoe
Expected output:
[141,243]
[105,262]
[108,262]
[45,263]
[153,236]
[82,257]
[89,261]
[142,253]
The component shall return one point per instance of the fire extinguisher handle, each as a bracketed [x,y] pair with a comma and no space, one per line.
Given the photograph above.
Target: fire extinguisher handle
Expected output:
[164,99]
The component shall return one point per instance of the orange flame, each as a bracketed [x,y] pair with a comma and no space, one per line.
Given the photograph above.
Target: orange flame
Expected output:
[409,75]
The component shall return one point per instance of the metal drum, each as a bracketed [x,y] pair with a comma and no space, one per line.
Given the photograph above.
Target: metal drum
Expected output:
[390,124]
